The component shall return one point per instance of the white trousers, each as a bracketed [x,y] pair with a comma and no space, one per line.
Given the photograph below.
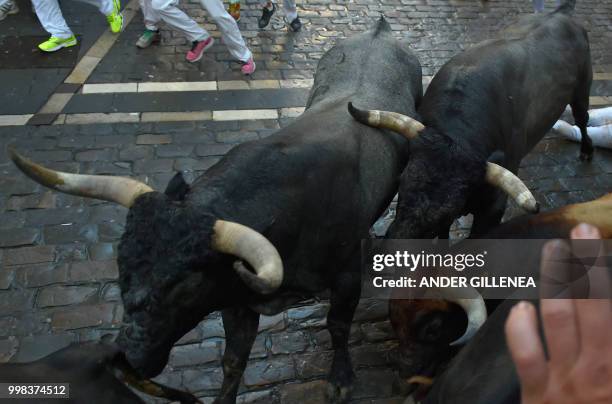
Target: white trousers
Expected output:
[289,9]
[599,129]
[155,11]
[50,15]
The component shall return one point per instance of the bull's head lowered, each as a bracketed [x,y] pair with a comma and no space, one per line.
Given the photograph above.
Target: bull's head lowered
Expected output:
[166,258]
[440,176]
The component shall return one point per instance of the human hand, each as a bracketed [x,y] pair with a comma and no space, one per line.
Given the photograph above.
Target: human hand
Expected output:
[578,335]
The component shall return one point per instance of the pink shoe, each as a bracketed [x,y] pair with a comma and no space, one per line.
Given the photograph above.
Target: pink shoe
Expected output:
[198,48]
[248,67]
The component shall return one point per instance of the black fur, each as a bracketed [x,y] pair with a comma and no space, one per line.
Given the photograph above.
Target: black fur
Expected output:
[493,101]
[313,189]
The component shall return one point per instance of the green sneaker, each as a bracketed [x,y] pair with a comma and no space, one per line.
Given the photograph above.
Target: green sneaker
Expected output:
[148,38]
[115,19]
[54,43]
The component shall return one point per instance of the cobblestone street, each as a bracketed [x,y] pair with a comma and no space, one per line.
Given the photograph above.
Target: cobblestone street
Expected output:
[148,113]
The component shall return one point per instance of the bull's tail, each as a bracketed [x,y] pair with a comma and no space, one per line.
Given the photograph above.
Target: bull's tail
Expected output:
[566,7]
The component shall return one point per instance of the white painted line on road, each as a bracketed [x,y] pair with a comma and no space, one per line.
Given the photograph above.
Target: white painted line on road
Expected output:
[55,103]
[296,83]
[83,69]
[602,76]
[183,86]
[110,88]
[245,115]
[14,120]
[175,116]
[117,117]
[226,115]
[135,117]
[177,86]
[599,101]
[233,85]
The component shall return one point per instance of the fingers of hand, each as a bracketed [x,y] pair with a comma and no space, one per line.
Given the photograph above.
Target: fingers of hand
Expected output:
[526,350]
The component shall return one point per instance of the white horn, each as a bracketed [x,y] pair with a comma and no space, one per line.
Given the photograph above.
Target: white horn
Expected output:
[505,180]
[402,124]
[249,245]
[474,308]
[109,188]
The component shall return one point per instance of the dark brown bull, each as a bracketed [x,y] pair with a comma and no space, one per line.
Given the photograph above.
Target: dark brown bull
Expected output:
[426,327]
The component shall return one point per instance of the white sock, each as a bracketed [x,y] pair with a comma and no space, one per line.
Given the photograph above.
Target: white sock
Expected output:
[566,130]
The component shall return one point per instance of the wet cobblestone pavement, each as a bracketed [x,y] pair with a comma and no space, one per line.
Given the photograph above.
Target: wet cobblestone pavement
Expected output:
[57,252]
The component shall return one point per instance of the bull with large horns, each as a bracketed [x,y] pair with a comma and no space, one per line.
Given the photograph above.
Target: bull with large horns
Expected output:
[276,220]
[483,112]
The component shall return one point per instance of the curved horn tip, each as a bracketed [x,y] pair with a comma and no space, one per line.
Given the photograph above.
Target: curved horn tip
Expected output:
[357,114]
[476,311]
[253,281]
[351,108]
[531,206]
[463,339]
[14,155]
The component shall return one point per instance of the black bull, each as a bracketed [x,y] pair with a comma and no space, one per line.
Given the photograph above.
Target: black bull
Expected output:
[96,373]
[489,104]
[312,190]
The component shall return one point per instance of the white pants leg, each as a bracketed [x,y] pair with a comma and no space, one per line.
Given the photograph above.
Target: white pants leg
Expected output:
[601,135]
[105,6]
[229,29]
[151,17]
[50,15]
[176,19]
[290,10]
[600,116]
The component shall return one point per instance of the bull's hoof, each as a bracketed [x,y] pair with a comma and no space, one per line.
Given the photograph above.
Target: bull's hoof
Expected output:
[586,156]
[338,394]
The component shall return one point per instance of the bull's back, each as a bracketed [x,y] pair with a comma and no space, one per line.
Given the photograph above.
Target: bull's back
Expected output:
[511,89]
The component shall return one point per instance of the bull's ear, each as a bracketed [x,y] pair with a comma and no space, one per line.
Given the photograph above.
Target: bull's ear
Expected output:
[177,187]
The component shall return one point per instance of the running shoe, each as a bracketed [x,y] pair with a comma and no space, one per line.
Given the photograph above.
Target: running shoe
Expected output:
[266,15]
[148,38]
[115,19]
[295,25]
[248,67]
[54,43]
[198,48]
